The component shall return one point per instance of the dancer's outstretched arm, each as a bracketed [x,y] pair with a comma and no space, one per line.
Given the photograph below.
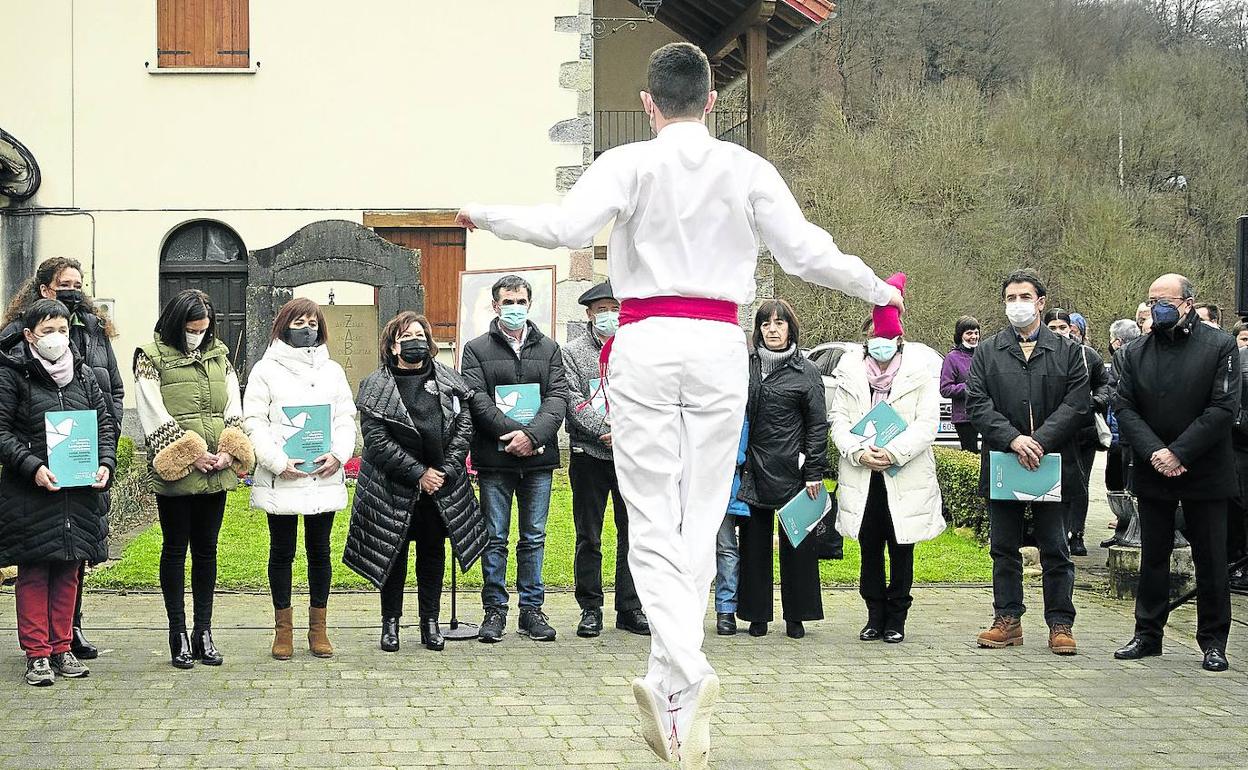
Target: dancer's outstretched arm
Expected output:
[596,198]
[806,250]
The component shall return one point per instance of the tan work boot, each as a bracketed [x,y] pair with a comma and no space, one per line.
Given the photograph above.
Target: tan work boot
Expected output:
[318,639]
[283,634]
[1062,640]
[1006,631]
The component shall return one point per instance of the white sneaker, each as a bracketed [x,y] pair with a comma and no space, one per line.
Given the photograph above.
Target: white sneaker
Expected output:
[656,724]
[694,707]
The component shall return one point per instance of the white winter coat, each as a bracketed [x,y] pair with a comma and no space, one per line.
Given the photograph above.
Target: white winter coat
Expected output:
[913,494]
[288,376]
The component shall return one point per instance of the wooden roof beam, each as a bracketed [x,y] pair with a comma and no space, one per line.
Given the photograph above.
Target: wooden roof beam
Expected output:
[759,12]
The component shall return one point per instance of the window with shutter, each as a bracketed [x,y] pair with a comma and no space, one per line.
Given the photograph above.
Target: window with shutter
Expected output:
[202,33]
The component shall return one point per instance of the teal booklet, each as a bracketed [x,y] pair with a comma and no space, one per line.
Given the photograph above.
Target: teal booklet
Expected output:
[597,396]
[306,432]
[519,402]
[881,425]
[1011,481]
[800,515]
[73,447]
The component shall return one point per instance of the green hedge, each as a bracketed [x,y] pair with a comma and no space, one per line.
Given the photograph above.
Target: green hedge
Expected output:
[125,457]
[957,472]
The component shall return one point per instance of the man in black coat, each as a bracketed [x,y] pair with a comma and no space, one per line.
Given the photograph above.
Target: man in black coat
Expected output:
[1178,396]
[1028,394]
[515,450]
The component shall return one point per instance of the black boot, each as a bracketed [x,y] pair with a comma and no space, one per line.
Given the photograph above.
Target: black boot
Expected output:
[202,648]
[431,634]
[725,623]
[1077,548]
[390,634]
[180,654]
[758,629]
[82,649]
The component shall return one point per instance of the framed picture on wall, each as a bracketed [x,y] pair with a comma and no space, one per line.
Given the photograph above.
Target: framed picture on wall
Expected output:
[476,302]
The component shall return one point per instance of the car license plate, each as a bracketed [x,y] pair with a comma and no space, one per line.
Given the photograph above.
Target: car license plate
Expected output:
[946,427]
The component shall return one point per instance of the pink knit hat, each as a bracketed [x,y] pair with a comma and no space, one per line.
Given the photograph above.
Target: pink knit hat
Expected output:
[887,320]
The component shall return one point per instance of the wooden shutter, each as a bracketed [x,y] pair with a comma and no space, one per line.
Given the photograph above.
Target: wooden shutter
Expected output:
[442,257]
[203,33]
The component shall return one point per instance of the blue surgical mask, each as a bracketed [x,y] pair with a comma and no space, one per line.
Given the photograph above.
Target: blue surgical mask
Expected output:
[1165,316]
[881,348]
[513,316]
[607,322]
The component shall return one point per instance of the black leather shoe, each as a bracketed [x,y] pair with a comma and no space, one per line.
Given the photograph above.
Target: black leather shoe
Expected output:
[431,634]
[1138,648]
[1110,543]
[633,621]
[180,650]
[725,623]
[1077,548]
[1215,660]
[794,629]
[204,650]
[82,649]
[758,629]
[389,634]
[893,636]
[870,633]
[590,625]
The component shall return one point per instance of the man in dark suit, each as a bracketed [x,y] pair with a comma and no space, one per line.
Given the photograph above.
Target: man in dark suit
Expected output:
[1178,396]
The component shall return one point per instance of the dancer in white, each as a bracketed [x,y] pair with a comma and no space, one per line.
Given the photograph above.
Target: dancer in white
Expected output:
[688,211]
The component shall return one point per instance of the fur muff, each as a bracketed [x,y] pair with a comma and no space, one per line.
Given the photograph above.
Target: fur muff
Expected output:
[174,461]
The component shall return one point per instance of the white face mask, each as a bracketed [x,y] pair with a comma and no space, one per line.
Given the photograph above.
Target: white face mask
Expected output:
[52,346]
[1021,314]
[193,341]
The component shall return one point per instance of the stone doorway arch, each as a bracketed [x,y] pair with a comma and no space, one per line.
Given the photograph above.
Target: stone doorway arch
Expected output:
[329,250]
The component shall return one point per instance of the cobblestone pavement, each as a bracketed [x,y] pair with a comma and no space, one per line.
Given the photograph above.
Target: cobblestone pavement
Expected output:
[827,701]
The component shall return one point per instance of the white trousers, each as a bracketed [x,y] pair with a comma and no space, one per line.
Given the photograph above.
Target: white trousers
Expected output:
[678,389]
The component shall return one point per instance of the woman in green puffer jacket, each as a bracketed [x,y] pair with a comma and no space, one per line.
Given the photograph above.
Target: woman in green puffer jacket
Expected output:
[191,412]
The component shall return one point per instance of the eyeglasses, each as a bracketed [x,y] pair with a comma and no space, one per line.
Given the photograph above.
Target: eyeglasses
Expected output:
[1152,301]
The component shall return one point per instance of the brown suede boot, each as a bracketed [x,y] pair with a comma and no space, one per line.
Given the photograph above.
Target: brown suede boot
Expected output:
[1006,631]
[283,634]
[318,639]
[1062,640]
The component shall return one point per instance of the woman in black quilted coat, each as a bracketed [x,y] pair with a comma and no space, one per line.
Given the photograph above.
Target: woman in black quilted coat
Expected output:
[49,525]
[413,484]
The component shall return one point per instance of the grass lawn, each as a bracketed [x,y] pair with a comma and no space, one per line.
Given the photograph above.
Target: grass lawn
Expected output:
[242,557]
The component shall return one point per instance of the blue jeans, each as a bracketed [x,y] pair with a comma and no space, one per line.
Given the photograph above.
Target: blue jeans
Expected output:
[532,494]
[727,566]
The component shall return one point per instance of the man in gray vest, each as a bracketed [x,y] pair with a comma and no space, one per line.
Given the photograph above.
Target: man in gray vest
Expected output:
[591,470]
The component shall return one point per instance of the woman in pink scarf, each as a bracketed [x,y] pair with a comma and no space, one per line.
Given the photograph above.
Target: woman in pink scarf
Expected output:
[888,494]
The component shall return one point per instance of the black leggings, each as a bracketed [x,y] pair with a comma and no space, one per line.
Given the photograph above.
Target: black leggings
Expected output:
[429,533]
[888,602]
[968,437]
[283,536]
[193,520]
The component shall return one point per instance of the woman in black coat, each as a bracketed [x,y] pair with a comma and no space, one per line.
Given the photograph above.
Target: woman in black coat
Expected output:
[90,335]
[413,484]
[49,525]
[788,420]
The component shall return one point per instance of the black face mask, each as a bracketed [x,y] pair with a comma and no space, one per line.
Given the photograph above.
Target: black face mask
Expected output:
[302,338]
[70,298]
[414,351]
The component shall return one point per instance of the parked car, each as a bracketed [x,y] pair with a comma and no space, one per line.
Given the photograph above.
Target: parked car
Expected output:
[826,356]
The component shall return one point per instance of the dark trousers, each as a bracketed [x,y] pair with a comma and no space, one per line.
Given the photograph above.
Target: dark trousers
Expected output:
[1006,522]
[800,596]
[44,594]
[1206,531]
[967,436]
[1077,503]
[428,532]
[283,537]
[1115,470]
[593,480]
[887,603]
[194,521]
[82,576]
[1237,512]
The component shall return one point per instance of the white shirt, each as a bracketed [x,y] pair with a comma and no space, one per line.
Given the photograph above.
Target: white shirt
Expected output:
[689,212]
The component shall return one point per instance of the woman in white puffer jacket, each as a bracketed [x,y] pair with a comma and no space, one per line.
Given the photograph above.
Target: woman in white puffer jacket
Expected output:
[297,371]
[888,496]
